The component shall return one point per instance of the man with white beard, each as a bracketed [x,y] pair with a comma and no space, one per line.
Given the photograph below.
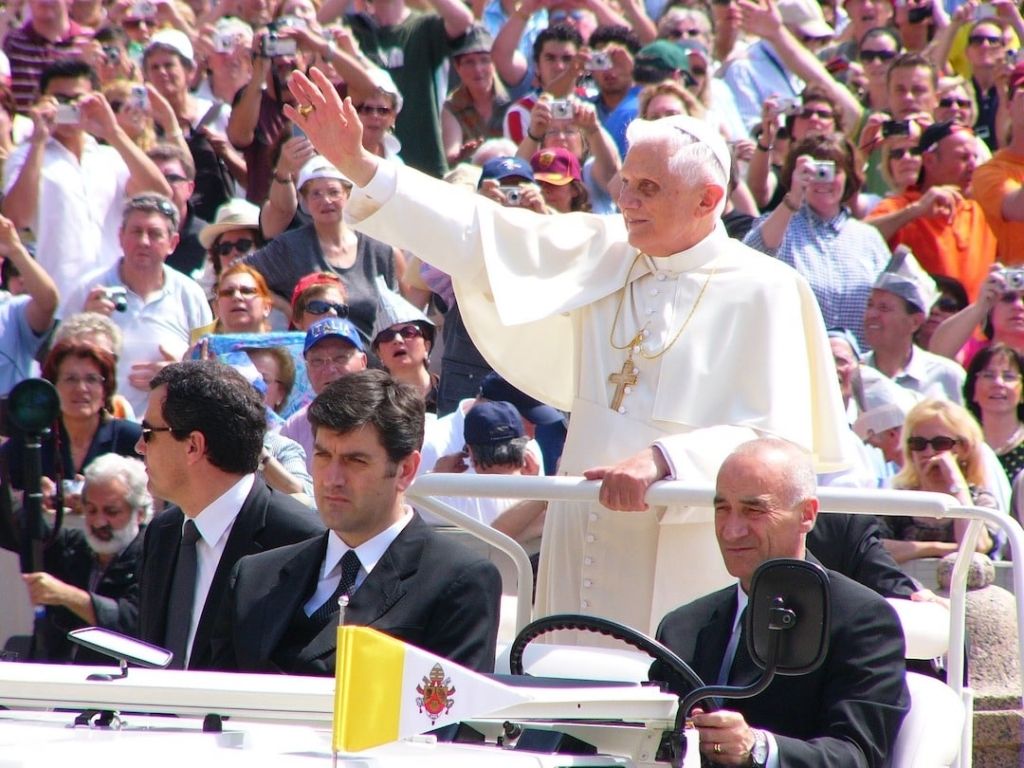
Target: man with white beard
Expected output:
[86,572]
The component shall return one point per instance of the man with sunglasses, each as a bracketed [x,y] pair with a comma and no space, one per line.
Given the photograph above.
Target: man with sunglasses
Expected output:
[947,232]
[986,53]
[189,256]
[155,307]
[999,183]
[202,436]
[333,349]
[896,308]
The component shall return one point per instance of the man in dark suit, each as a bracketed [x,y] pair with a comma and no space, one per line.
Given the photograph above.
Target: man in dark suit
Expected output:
[399,575]
[201,441]
[846,713]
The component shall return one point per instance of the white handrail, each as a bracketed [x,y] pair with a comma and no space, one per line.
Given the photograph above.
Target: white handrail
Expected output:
[861,502]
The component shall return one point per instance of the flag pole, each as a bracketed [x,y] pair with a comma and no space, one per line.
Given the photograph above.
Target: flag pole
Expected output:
[342,607]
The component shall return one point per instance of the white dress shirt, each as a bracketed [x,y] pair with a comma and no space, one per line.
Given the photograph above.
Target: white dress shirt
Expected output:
[214,524]
[369,553]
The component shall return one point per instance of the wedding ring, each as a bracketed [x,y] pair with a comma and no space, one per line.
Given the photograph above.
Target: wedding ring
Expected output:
[306,109]
[718,748]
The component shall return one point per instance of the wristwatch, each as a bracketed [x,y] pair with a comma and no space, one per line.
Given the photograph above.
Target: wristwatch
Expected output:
[759,752]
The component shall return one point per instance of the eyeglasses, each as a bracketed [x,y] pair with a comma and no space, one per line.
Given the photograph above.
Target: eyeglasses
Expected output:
[173,178]
[369,109]
[335,361]
[900,152]
[225,247]
[331,193]
[136,23]
[161,205]
[1011,297]
[407,332]
[992,40]
[949,101]
[940,443]
[563,131]
[866,56]
[90,379]
[1010,377]
[245,291]
[946,304]
[824,114]
[676,34]
[148,431]
[558,16]
[698,72]
[321,307]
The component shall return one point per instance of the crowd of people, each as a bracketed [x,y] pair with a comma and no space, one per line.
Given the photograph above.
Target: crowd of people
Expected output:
[174,191]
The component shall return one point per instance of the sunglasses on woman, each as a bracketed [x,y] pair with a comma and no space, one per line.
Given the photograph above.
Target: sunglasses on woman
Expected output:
[900,152]
[245,291]
[225,247]
[321,307]
[867,56]
[407,332]
[940,443]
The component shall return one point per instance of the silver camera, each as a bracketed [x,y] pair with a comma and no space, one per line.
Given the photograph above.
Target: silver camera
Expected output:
[824,170]
[225,43]
[68,114]
[1014,279]
[561,109]
[138,98]
[143,9]
[118,296]
[513,195]
[271,45]
[600,61]
[789,106]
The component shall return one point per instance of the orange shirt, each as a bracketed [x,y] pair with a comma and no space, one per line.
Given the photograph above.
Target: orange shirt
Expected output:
[964,249]
[993,181]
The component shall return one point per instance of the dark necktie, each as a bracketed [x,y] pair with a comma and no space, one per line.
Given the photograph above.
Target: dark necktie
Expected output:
[732,651]
[183,588]
[349,570]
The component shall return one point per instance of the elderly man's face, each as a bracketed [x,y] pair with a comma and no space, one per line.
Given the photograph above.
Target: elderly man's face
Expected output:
[110,523]
[664,213]
[846,366]
[952,160]
[331,359]
[887,322]
[147,240]
[755,517]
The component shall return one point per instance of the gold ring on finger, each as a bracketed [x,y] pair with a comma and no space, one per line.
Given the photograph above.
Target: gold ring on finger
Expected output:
[306,110]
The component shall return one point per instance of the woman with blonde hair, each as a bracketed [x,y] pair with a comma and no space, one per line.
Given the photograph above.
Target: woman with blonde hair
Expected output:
[942,453]
[665,99]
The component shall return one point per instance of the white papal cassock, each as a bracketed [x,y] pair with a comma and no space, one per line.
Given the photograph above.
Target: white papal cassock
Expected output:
[540,295]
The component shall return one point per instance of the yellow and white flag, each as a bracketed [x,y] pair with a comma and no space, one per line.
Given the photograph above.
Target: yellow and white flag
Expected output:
[386,690]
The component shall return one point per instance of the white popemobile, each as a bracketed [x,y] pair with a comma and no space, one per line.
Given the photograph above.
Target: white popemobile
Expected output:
[62,715]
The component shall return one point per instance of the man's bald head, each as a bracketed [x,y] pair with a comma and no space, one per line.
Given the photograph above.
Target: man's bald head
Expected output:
[765,505]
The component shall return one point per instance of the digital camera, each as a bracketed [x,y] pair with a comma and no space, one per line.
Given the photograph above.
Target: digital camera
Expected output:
[271,45]
[513,195]
[118,296]
[789,106]
[138,98]
[1014,279]
[68,114]
[895,128]
[600,61]
[561,109]
[824,170]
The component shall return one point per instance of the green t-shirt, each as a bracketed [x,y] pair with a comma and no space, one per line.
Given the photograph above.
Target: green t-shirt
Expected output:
[413,53]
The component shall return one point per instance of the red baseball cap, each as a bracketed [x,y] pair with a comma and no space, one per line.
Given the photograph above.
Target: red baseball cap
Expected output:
[556,166]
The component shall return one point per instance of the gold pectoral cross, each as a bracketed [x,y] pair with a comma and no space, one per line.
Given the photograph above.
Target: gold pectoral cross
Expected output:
[627,377]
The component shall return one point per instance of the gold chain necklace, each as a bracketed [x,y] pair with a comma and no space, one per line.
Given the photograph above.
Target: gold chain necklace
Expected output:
[625,379]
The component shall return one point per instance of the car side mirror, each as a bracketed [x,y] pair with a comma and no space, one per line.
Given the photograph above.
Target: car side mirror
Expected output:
[789,606]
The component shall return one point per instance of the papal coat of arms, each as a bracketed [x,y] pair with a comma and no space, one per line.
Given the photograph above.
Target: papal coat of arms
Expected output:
[435,694]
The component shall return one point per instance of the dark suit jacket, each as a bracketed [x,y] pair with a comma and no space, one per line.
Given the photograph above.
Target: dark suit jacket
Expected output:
[852,545]
[427,590]
[846,713]
[266,520]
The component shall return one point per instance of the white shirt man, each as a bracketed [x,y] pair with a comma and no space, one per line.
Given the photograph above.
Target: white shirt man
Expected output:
[160,306]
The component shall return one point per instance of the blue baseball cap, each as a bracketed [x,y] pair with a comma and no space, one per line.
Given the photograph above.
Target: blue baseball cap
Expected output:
[492,422]
[501,168]
[494,387]
[332,327]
